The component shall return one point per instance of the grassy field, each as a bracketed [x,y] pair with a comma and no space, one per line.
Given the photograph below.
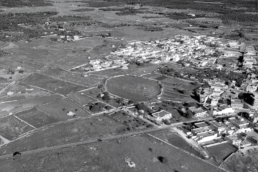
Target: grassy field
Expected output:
[17,106]
[174,139]
[88,81]
[51,84]
[146,153]
[36,118]
[130,122]
[221,151]
[11,128]
[80,98]
[242,163]
[68,132]
[133,88]
[59,109]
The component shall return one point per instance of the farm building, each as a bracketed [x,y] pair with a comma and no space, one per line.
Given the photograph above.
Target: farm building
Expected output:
[162,115]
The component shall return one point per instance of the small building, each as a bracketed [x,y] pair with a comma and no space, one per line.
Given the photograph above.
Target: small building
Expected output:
[70,113]
[162,115]
[245,143]
[226,111]
[198,112]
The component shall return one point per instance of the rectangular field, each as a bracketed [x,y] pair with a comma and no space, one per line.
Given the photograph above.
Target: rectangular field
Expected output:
[77,78]
[221,151]
[130,122]
[59,109]
[81,98]
[51,84]
[174,139]
[68,132]
[20,105]
[11,127]
[36,118]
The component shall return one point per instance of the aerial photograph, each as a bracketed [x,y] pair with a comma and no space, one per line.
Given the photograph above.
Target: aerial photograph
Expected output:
[128,85]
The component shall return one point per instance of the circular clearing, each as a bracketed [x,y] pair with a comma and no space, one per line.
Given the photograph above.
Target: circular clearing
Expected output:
[133,88]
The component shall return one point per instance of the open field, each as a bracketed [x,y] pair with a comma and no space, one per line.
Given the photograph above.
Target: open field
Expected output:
[11,127]
[130,122]
[109,72]
[221,151]
[76,78]
[177,89]
[22,91]
[133,88]
[36,118]
[68,132]
[174,139]
[60,108]
[242,163]
[51,84]
[80,98]
[20,105]
[145,153]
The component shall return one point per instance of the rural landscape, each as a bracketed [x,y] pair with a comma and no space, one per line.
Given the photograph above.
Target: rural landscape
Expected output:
[128,85]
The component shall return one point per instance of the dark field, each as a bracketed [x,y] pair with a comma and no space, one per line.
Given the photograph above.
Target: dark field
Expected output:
[221,151]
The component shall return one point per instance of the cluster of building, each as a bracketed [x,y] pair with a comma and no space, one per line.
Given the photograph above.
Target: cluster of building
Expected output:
[181,47]
[222,130]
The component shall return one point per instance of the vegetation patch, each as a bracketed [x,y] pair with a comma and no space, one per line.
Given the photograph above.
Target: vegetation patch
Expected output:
[22,3]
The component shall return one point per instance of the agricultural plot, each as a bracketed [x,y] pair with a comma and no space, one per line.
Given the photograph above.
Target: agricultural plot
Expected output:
[24,91]
[140,152]
[76,78]
[130,122]
[17,106]
[109,72]
[13,64]
[80,98]
[242,163]
[177,89]
[94,92]
[68,132]
[133,88]
[60,109]
[174,139]
[11,127]
[221,151]
[36,118]
[51,84]
[139,71]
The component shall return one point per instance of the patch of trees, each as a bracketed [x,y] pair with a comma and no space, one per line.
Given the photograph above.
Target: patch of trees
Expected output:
[83,9]
[11,30]
[247,98]
[22,3]
[69,18]
[182,16]
[98,107]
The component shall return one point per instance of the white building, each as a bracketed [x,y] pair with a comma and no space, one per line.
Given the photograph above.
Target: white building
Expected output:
[162,115]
